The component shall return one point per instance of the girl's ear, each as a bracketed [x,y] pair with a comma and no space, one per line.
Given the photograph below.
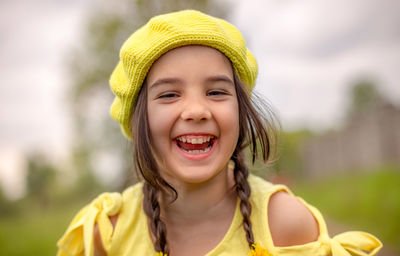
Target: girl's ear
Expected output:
[290,222]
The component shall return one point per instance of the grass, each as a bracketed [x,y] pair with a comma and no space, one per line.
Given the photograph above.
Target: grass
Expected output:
[368,201]
[35,231]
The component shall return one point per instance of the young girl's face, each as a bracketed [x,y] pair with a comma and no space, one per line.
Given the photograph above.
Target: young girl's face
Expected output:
[193,113]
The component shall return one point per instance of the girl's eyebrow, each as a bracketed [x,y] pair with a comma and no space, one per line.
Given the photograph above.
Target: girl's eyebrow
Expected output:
[167,80]
[174,80]
[217,78]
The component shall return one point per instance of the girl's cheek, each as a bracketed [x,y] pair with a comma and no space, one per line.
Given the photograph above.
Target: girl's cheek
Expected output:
[161,117]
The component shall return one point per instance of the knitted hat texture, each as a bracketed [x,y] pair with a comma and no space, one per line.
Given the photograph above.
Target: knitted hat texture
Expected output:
[162,34]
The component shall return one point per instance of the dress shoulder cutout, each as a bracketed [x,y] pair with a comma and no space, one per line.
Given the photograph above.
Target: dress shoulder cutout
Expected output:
[78,238]
[345,244]
[290,222]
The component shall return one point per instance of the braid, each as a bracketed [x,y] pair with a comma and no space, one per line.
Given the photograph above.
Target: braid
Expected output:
[243,190]
[152,209]
[257,132]
[146,166]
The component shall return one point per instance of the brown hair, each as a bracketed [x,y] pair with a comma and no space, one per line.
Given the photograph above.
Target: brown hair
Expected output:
[256,130]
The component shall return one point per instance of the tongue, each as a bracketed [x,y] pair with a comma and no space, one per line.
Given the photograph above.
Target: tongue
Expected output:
[190,146]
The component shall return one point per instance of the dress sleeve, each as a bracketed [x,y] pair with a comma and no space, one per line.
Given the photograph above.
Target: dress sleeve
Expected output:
[78,239]
[355,243]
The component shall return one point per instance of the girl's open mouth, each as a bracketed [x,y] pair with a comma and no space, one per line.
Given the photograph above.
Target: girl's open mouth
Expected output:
[192,145]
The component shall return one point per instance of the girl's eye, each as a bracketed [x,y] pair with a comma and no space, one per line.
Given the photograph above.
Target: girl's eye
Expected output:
[168,95]
[216,93]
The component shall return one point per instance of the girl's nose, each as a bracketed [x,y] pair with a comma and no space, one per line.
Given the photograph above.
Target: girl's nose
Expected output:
[196,110]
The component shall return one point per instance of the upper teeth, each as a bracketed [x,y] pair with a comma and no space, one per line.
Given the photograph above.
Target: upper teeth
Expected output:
[197,140]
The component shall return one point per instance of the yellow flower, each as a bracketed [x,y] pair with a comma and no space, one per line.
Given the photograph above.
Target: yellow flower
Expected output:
[259,251]
[256,251]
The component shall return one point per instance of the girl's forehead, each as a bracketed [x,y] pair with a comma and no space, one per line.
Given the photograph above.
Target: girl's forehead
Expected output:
[188,58]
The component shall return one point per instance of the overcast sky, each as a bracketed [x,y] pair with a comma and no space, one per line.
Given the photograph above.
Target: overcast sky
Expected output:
[309,53]
[35,38]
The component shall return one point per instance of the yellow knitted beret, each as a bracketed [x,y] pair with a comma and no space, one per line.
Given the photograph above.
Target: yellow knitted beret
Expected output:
[166,32]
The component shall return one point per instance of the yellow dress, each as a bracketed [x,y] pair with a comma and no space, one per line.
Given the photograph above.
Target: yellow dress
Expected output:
[131,235]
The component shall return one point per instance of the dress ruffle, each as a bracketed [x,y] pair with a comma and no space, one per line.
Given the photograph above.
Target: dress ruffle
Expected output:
[355,243]
[78,239]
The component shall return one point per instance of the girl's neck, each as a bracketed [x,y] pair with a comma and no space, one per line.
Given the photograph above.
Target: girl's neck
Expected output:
[199,218]
[197,202]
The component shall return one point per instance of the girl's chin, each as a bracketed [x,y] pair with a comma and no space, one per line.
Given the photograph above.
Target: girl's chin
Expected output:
[195,174]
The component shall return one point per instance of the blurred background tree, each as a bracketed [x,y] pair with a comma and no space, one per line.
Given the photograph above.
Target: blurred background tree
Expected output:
[7,208]
[40,179]
[364,96]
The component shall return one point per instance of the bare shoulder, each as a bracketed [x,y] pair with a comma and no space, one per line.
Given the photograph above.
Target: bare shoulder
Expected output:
[290,222]
[98,245]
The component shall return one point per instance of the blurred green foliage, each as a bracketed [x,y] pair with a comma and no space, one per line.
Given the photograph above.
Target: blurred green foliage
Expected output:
[40,179]
[364,95]
[6,207]
[286,160]
[33,224]
[290,159]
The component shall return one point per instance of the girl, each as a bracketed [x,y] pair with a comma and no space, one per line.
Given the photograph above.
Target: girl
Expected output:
[182,91]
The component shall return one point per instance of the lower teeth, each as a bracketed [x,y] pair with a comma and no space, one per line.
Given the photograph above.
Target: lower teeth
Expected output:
[197,151]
